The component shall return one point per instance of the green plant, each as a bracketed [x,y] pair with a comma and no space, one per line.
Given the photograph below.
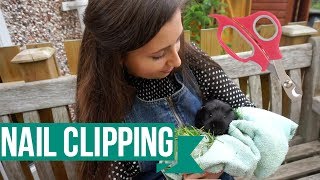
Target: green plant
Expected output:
[315,5]
[195,16]
[203,146]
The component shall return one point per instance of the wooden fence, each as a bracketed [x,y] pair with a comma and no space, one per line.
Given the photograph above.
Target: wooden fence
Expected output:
[10,72]
[21,72]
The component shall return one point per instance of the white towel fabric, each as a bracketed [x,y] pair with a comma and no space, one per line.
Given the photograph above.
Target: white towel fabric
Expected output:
[255,145]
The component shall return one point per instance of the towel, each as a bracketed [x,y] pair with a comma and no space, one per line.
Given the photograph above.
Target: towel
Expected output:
[271,134]
[256,144]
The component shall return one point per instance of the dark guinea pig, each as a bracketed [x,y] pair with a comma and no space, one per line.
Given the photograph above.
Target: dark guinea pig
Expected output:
[215,117]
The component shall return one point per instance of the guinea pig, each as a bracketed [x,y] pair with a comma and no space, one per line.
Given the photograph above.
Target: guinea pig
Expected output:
[215,117]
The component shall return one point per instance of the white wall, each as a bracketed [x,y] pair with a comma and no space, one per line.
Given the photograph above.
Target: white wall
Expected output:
[5,39]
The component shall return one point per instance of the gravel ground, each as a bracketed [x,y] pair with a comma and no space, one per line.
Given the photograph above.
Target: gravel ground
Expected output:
[39,21]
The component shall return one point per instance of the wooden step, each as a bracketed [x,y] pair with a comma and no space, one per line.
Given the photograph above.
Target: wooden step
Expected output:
[311,177]
[301,160]
[301,151]
[298,169]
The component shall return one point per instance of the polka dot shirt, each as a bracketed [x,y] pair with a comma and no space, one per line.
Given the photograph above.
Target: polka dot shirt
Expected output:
[123,170]
[213,84]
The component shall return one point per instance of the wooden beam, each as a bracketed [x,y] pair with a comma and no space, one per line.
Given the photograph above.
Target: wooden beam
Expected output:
[308,128]
[298,168]
[290,11]
[304,7]
[36,95]
[295,56]
[316,104]
[311,177]
[302,151]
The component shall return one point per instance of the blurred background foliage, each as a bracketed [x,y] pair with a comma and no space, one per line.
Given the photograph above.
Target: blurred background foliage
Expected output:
[315,4]
[195,16]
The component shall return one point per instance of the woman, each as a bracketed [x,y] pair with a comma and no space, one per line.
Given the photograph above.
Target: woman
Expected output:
[135,67]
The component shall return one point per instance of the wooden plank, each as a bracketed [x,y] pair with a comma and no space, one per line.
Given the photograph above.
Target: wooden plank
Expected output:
[275,94]
[273,6]
[298,168]
[67,169]
[71,169]
[37,95]
[60,115]
[72,49]
[9,72]
[295,107]
[13,169]
[238,43]
[236,81]
[3,174]
[266,31]
[255,90]
[44,168]
[270,1]
[31,117]
[279,14]
[244,84]
[55,169]
[4,119]
[186,35]
[302,23]
[294,57]
[303,12]
[316,104]
[289,12]
[316,26]
[296,140]
[265,91]
[59,170]
[209,42]
[309,128]
[312,177]
[239,8]
[302,151]
[230,8]
[63,170]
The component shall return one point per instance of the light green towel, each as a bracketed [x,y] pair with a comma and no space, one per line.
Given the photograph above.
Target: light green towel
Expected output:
[255,145]
[270,133]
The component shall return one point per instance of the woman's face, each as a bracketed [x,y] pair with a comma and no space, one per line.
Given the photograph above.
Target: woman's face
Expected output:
[157,58]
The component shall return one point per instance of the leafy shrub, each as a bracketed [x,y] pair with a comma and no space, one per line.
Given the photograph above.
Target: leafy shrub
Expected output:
[195,16]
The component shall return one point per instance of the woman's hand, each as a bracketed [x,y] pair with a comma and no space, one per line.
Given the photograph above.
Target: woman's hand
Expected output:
[205,175]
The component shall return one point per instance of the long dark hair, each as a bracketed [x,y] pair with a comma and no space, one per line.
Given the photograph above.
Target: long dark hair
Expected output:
[114,28]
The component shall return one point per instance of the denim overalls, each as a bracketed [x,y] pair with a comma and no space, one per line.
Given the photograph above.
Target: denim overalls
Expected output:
[179,108]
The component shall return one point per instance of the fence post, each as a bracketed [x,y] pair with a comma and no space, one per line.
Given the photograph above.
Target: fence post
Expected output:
[316,25]
[72,48]
[209,42]
[9,72]
[46,44]
[36,64]
[187,35]
[296,34]
[39,64]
